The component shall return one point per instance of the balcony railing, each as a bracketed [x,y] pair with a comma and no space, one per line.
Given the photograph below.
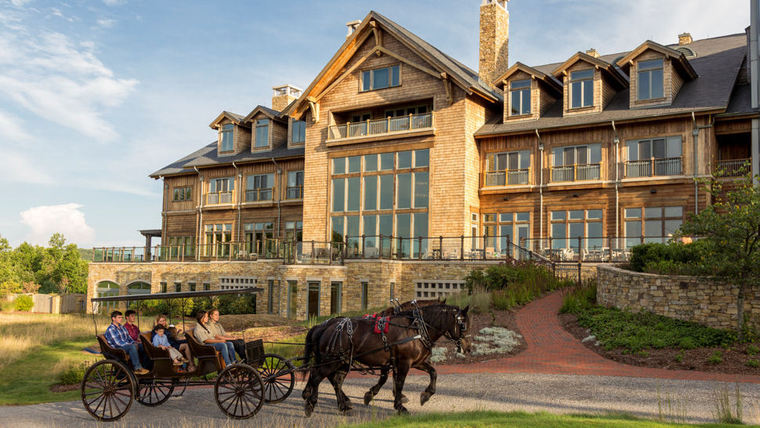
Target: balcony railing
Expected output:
[510,177]
[653,167]
[387,126]
[732,168]
[219,198]
[576,172]
[294,192]
[260,194]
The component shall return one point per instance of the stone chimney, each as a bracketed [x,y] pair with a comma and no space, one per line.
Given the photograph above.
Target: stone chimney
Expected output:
[684,39]
[284,95]
[494,40]
[592,52]
[352,26]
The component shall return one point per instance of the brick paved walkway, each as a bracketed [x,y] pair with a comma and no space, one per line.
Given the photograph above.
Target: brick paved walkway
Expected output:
[552,350]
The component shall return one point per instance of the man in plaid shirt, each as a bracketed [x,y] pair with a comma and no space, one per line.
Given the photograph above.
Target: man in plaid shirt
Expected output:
[118,337]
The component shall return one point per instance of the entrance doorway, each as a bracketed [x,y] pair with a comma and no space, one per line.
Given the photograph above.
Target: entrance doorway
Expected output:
[313,299]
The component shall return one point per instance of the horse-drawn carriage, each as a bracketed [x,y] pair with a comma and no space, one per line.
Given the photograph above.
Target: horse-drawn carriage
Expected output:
[396,340]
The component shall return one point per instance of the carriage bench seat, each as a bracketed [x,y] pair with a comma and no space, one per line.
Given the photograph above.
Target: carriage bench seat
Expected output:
[209,359]
[110,352]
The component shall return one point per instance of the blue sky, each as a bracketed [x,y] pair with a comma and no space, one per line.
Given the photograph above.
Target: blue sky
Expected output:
[96,95]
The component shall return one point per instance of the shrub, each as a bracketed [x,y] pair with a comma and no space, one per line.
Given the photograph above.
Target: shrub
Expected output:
[579,299]
[480,302]
[23,303]
[7,305]
[715,358]
[752,349]
[687,343]
[73,374]
[673,258]
[753,363]
[679,357]
[502,300]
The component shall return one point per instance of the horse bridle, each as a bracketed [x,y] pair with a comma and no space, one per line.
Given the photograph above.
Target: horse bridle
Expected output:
[460,323]
[462,331]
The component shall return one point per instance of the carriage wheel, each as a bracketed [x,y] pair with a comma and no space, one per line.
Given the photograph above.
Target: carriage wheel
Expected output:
[108,388]
[239,391]
[278,375]
[155,392]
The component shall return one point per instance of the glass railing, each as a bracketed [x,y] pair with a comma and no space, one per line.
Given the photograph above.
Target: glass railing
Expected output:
[261,194]
[295,192]
[385,126]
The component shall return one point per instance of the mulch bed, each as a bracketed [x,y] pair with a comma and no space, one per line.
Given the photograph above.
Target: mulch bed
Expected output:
[505,319]
[734,358]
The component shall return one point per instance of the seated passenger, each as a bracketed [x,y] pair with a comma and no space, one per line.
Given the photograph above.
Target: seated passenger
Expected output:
[204,335]
[219,333]
[171,335]
[129,324]
[162,342]
[118,337]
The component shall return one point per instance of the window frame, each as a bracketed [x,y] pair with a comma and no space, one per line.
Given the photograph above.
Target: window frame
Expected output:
[521,90]
[261,124]
[227,130]
[649,71]
[251,187]
[298,132]
[182,194]
[582,81]
[641,219]
[298,187]
[363,74]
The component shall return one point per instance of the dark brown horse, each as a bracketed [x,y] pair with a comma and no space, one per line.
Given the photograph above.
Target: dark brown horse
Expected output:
[316,331]
[355,340]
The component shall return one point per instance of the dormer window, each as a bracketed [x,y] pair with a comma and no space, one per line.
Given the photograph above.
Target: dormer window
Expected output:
[520,97]
[650,79]
[262,133]
[381,78]
[227,137]
[582,88]
[298,132]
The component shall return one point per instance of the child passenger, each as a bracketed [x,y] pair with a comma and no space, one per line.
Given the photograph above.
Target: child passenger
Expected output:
[161,341]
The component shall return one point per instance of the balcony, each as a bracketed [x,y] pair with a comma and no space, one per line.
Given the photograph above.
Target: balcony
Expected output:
[258,195]
[653,167]
[219,198]
[732,167]
[294,192]
[512,177]
[575,173]
[381,127]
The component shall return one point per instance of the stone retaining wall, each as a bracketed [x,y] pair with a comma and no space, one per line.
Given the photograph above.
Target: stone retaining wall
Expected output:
[703,300]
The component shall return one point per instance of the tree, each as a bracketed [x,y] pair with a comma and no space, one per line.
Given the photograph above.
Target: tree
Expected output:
[730,228]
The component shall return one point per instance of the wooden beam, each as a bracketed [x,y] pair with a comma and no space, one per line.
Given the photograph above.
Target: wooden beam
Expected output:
[412,63]
[447,86]
[314,106]
[343,76]
[377,33]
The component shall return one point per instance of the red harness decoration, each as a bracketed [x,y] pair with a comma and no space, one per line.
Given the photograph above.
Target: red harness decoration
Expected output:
[382,324]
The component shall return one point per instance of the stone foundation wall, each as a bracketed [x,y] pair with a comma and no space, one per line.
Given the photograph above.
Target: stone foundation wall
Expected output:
[706,301]
[379,274]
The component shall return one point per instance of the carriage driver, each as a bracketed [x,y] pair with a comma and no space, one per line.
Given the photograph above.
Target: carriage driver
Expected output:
[118,337]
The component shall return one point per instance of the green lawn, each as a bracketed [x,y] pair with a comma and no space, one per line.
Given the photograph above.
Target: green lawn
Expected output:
[27,380]
[520,419]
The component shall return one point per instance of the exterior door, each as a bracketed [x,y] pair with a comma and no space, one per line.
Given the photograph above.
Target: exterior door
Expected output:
[523,232]
[313,299]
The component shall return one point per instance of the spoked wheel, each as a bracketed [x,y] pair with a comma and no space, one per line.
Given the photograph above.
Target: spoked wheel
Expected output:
[278,375]
[108,388]
[154,392]
[239,391]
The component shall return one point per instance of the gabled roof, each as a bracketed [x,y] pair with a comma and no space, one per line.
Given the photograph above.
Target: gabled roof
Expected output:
[268,112]
[460,74]
[208,156]
[536,74]
[678,58]
[605,66]
[234,117]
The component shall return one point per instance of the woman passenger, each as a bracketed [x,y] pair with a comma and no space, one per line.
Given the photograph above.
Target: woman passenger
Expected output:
[171,334]
[204,335]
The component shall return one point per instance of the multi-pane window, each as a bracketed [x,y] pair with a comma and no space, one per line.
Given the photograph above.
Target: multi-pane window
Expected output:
[295,185]
[181,246]
[380,78]
[507,168]
[259,187]
[218,237]
[519,92]
[259,238]
[182,194]
[298,132]
[227,137]
[582,88]
[650,79]
[571,228]
[262,133]
[506,228]
[220,190]
[387,195]
[651,224]
[576,163]
[654,156]
[293,231]
[406,111]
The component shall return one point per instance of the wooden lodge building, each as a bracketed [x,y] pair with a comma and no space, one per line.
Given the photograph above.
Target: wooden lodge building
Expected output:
[399,169]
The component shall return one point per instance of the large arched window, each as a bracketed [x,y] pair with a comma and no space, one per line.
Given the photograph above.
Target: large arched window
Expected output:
[135,288]
[106,289]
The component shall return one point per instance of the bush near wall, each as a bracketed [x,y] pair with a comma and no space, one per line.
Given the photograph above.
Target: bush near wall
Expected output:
[23,303]
[674,258]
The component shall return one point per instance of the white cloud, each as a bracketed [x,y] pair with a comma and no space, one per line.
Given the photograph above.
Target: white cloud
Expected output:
[11,129]
[63,82]
[20,3]
[67,219]
[106,22]
[114,2]
[19,168]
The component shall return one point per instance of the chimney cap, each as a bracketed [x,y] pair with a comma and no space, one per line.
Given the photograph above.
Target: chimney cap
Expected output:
[502,3]
[592,52]
[286,89]
[684,38]
[352,26]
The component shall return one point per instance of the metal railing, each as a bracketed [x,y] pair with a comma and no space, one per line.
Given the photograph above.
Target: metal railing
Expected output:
[602,249]
[219,198]
[732,167]
[509,177]
[294,192]
[653,167]
[389,125]
[260,194]
[576,172]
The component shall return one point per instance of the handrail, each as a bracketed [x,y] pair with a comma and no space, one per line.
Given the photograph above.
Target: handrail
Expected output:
[575,172]
[389,125]
[507,177]
[732,167]
[653,167]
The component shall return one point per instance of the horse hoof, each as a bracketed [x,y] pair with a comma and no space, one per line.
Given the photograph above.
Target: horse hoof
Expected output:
[402,411]
[404,399]
[367,398]
[347,412]
[424,397]
[308,409]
